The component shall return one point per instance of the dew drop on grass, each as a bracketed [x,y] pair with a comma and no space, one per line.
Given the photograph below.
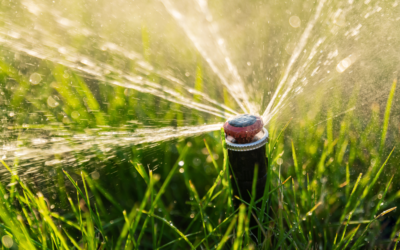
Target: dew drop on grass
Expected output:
[196,162]
[279,161]
[181,170]
[181,163]
[95,175]
[11,114]
[6,196]
[294,21]
[7,241]
[75,115]
[51,102]
[35,78]
[309,214]
[66,120]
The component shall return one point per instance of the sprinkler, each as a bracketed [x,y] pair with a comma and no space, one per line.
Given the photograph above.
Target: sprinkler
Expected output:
[246,138]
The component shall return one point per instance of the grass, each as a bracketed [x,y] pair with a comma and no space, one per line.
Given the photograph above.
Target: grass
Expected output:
[138,207]
[334,187]
[174,209]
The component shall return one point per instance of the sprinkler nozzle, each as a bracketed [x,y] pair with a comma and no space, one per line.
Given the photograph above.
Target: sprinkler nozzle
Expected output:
[243,128]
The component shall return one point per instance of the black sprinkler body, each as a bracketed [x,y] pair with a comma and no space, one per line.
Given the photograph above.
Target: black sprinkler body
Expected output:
[246,140]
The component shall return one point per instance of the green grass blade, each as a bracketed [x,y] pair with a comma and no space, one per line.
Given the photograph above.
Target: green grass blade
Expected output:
[387,116]
[171,226]
[196,196]
[217,228]
[383,197]
[351,237]
[227,233]
[211,155]
[237,244]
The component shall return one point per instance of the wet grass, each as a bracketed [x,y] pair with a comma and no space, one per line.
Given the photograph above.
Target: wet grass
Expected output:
[330,185]
[339,196]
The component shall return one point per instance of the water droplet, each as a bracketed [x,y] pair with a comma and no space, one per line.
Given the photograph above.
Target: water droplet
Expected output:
[52,206]
[279,161]
[6,196]
[7,241]
[11,114]
[35,78]
[181,163]
[66,119]
[95,175]
[294,21]
[196,162]
[181,170]
[309,214]
[289,48]
[51,102]
[345,63]
[75,115]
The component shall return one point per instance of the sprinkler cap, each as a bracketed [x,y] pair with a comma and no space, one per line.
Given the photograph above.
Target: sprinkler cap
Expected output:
[243,128]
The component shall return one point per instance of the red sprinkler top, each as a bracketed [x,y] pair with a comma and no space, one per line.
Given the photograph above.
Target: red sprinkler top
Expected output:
[243,127]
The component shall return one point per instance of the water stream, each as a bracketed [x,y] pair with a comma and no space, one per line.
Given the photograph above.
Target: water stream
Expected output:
[203,61]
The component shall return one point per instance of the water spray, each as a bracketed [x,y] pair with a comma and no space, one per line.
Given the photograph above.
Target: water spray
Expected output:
[246,138]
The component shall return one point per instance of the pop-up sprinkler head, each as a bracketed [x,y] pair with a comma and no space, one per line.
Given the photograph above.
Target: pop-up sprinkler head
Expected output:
[243,128]
[245,139]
